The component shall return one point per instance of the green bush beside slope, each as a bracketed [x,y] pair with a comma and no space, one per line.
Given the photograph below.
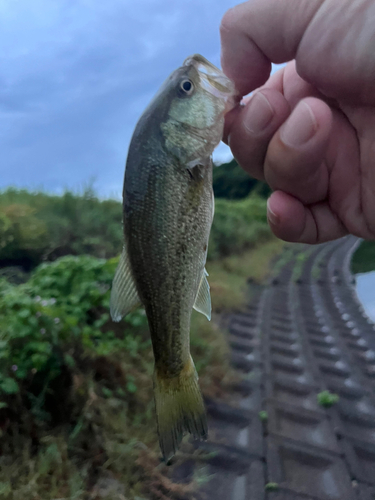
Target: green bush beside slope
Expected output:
[37,227]
[73,385]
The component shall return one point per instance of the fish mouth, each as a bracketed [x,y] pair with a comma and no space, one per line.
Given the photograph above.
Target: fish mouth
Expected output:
[213,80]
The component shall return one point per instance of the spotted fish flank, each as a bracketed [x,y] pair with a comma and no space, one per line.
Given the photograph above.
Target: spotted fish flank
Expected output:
[168,211]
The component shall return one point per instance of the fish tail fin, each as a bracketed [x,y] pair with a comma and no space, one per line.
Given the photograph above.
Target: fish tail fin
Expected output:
[179,408]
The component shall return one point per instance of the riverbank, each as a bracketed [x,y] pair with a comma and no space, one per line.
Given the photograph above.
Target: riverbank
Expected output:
[304,425]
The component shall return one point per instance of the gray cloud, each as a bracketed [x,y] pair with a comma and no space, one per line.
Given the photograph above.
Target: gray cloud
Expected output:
[75,77]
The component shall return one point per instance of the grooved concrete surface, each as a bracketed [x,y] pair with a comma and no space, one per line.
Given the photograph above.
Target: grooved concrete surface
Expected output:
[302,333]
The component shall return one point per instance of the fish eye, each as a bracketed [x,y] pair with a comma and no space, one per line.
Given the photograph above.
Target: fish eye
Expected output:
[187,86]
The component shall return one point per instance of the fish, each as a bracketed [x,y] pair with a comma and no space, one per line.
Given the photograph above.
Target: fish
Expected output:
[168,208]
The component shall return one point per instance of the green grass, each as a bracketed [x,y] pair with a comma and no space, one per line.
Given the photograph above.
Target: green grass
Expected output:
[271,487]
[298,266]
[315,272]
[300,260]
[286,256]
[263,415]
[228,276]
[327,399]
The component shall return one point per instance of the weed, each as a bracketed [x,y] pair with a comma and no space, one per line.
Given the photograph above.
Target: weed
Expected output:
[271,487]
[300,259]
[327,399]
[263,415]
[228,277]
[315,272]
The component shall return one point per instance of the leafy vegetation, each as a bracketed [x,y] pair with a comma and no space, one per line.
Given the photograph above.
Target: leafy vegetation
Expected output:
[232,182]
[300,260]
[327,399]
[229,276]
[237,225]
[74,385]
[363,260]
[37,227]
[76,402]
[43,322]
[263,416]
[271,487]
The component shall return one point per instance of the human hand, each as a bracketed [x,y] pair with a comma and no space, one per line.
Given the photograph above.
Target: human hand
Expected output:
[309,131]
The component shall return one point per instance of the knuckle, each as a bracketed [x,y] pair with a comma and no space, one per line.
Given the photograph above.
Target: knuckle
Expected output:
[279,163]
[290,165]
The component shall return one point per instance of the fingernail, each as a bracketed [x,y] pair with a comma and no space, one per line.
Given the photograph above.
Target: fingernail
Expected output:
[300,126]
[259,113]
[271,216]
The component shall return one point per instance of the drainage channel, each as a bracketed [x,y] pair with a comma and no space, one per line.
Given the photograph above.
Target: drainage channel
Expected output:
[302,340]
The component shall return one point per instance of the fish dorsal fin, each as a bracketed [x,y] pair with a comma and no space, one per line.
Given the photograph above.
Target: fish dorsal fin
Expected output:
[202,302]
[124,295]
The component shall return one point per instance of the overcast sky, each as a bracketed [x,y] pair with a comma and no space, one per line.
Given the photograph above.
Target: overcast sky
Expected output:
[75,75]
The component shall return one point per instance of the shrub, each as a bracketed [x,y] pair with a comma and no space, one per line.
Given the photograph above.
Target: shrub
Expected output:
[232,182]
[56,319]
[237,225]
[37,226]
[22,235]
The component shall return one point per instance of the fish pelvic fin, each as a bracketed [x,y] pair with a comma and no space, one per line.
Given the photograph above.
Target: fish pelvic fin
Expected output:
[179,408]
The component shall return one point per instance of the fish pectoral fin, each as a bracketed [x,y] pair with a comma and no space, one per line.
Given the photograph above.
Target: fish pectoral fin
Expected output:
[195,163]
[124,295]
[202,302]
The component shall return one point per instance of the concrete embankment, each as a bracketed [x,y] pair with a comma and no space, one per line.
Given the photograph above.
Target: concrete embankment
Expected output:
[303,341]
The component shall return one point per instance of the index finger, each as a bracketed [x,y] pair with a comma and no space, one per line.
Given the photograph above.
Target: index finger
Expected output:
[258,32]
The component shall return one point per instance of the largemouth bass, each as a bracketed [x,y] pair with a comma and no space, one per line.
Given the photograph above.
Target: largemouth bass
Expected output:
[168,209]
